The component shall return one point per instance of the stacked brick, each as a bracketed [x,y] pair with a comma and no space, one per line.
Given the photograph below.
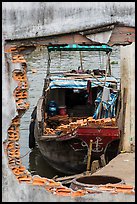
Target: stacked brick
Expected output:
[72,126]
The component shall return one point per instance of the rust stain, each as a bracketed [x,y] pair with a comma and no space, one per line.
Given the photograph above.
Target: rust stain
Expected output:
[10,49]
[122,35]
[78,193]
[63,191]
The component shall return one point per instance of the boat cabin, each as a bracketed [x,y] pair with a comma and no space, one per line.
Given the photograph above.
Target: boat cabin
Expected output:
[79,94]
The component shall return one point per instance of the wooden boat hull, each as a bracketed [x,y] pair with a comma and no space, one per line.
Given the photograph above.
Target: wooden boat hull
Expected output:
[101,137]
[68,154]
[68,157]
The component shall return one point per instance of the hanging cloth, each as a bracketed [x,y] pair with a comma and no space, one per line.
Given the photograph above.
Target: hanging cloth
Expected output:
[106,94]
[89,91]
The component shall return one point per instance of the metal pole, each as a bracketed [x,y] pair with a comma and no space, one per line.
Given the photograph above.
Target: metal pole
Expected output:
[109,67]
[81,60]
[48,66]
[89,155]
[102,91]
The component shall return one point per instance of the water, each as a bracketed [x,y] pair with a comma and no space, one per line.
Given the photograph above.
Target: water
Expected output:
[32,159]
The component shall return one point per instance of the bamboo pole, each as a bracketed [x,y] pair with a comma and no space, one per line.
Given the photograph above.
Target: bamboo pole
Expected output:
[67,178]
[89,156]
[125,93]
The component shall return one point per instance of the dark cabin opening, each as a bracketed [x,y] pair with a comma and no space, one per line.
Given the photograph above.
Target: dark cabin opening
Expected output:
[78,102]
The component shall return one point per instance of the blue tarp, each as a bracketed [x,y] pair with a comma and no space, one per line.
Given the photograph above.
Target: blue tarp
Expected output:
[62,82]
[108,108]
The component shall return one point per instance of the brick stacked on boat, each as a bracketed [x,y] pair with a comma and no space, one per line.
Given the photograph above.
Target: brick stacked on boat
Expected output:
[72,126]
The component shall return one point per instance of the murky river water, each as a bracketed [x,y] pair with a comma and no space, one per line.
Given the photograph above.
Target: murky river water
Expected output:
[37,62]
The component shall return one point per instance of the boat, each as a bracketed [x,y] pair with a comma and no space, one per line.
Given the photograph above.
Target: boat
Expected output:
[77,107]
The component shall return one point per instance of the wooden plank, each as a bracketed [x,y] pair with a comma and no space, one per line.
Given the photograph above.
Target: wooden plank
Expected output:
[44,137]
[66,178]
[125,92]
[67,38]
[39,109]
[89,155]
[122,35]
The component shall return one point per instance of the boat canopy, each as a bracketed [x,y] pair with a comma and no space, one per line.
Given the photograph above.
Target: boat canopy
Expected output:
[77,47]
[61,82]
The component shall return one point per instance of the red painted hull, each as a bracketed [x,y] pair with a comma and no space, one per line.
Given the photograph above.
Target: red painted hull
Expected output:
[101,137]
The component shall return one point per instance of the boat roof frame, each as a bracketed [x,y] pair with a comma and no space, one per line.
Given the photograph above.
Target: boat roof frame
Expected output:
[78,47]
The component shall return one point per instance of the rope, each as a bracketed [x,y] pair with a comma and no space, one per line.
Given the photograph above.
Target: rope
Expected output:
[25,154]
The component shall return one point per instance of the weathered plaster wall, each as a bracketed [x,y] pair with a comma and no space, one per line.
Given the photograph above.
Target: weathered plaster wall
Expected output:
[128,82]
[31,19]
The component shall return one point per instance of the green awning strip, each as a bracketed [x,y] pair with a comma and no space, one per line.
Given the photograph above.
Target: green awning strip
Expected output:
[76,47]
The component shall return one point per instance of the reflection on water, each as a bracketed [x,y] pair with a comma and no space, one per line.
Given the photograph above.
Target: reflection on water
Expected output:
[38,166]
[37,60]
